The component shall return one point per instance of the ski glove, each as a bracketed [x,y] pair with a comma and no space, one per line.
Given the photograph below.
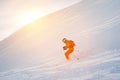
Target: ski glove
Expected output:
[64,48]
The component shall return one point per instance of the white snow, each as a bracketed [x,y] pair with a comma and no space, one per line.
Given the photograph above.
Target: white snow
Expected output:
[35,52]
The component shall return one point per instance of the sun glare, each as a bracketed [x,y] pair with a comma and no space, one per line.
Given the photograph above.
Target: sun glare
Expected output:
[27,17]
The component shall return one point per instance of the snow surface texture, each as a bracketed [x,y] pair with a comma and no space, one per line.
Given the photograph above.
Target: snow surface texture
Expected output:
[35,52]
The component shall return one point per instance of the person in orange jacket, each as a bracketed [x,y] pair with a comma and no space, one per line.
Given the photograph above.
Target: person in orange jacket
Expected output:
[69,44]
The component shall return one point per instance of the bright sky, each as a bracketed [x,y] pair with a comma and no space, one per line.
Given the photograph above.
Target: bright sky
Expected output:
[16,13]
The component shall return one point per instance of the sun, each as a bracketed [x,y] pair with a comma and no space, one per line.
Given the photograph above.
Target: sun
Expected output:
[25,18]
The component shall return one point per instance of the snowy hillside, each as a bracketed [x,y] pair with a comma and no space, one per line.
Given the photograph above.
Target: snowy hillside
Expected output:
[35,51]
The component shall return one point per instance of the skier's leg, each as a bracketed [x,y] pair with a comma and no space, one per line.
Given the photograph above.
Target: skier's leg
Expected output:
[68,53]
[66,56]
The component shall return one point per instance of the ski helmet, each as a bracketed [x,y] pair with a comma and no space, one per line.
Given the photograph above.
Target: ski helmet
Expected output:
[64,39]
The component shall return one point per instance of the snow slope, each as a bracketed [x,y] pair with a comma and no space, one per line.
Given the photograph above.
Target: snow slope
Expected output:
[35,51]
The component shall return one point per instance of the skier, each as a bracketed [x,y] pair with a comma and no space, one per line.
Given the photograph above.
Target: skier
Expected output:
[69,44]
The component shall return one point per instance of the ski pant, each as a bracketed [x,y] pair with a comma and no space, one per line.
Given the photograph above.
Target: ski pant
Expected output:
[70,50]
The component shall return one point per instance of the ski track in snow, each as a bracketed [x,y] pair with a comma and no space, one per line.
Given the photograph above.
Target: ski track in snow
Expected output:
[102,27]
[82,68]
